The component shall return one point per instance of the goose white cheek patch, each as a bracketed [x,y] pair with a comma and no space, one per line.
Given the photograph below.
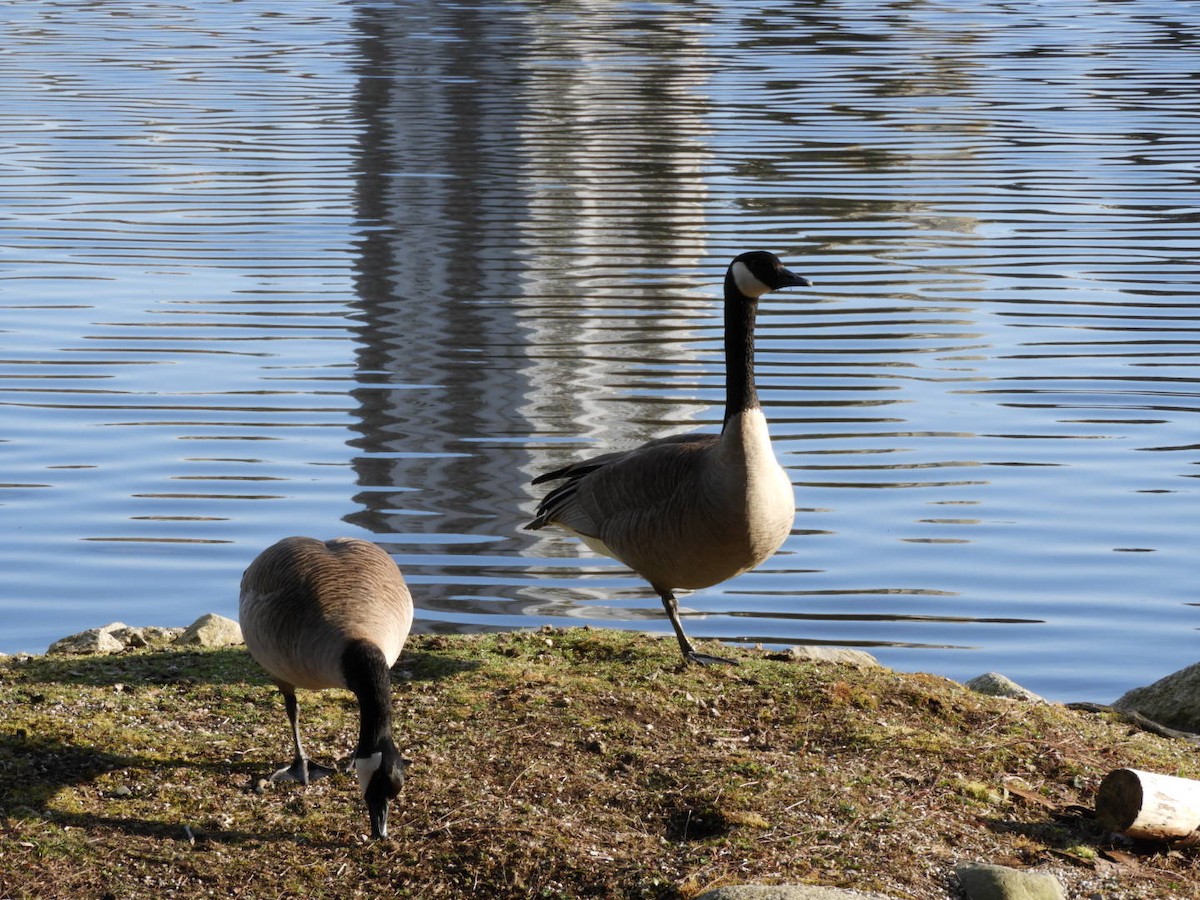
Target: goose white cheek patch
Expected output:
[746,282]
[366,767]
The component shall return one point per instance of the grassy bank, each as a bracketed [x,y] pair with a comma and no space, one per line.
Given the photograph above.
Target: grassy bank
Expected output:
[555,764]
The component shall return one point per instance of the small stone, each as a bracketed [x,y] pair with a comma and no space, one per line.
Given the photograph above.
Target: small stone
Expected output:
[211,630]
[261,785]
[993,684]
[983,881]
[121,791]
[840,655]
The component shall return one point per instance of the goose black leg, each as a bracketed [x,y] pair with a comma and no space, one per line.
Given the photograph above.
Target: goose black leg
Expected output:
[690,654]
[302,768]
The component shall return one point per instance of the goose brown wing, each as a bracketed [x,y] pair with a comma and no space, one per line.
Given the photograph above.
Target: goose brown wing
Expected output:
[620,486]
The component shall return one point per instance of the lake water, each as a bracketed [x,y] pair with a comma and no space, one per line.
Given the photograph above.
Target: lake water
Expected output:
[365,268]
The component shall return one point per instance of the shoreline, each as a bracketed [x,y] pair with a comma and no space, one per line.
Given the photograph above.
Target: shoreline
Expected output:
[215,630]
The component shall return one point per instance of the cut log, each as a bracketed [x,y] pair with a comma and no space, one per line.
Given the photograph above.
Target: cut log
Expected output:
[1149,806]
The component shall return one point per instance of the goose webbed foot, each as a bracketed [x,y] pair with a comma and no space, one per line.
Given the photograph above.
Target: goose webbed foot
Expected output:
[303,771]
[707,659]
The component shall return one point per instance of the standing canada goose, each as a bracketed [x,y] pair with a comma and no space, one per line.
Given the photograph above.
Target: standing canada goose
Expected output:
[690,510]
[332,614]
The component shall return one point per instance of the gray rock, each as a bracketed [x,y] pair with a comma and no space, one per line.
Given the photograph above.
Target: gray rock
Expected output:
[784,892]
[94,640]
[996,685]
[983,881]
[113,638]
[211,630]
[130,637]
[1173,701]
[841,655]
[126,634]
[151,635]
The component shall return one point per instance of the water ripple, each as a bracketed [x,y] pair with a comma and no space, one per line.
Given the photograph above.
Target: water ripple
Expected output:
[271,268]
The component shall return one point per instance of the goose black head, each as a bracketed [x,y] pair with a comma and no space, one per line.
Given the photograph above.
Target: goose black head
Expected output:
[381,777]
[757,272]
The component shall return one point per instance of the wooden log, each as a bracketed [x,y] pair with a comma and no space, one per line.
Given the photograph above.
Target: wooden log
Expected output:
[1149,806]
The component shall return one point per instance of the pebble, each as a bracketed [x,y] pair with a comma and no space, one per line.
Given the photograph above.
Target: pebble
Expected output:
[840,655]
[984,881]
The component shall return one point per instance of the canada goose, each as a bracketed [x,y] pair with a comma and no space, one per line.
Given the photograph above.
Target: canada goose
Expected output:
[690,510]
[332,614]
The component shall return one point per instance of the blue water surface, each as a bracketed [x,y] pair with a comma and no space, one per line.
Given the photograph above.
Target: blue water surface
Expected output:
[366,268]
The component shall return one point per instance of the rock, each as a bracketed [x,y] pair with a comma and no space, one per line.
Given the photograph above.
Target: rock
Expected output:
[784,892]
[818,653]
[1173,701]
[113,638]
[996,685]
[983,881]
[94,640]
[129,637]
[145,637]
[211,630]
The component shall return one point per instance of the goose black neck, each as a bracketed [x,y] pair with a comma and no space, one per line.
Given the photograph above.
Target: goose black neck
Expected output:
[367,675]
[740,311]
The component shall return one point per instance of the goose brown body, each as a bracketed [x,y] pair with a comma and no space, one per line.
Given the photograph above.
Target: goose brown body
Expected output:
[684,512]
[332,614]
[690,511]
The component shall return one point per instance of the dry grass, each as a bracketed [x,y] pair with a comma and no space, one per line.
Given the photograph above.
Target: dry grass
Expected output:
[577,763]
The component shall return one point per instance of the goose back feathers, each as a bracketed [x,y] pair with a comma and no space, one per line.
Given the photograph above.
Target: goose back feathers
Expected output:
[303,601]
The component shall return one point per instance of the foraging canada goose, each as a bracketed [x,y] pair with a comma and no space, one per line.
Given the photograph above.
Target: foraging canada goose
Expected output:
[332,614]
[690,510]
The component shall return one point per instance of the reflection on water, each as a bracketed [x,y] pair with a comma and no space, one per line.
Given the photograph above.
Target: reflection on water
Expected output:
[365,268]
